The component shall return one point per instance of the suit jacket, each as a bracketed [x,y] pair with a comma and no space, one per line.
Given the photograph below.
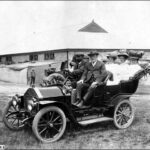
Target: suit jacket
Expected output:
[98,71]
[79,68]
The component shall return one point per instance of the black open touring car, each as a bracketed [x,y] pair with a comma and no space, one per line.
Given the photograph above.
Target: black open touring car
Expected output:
[49,109]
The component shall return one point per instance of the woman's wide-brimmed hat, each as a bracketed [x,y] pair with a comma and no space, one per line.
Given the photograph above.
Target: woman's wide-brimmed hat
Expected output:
[112,55]
[135,55]
[92,53]
[124,54]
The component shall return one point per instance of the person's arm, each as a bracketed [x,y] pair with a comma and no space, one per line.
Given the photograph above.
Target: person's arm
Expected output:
[83,77]
[78,71]
[103,74]
[103,69]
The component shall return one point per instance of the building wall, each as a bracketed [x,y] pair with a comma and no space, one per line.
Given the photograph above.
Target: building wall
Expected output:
[3,60]
[20,58]
[40,57]
[62,55]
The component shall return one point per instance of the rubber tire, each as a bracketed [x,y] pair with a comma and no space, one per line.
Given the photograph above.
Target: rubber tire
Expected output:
[37,118]
[133,110]
[5,119]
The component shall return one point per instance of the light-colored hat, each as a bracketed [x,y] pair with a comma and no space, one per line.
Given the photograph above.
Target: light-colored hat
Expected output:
[123,54]
[112,54]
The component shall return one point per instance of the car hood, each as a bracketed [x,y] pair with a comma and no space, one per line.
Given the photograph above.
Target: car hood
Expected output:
[45,92]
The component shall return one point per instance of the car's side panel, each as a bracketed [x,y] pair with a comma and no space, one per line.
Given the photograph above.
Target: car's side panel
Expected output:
[53,91]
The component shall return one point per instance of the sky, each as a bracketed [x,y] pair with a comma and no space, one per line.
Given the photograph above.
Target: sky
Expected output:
[27,26]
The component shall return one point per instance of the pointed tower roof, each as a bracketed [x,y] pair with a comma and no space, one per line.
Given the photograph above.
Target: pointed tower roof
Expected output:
[92,27]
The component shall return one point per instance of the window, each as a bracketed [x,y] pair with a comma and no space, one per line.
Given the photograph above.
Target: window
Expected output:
[48,56]
[33,57]
[8,58]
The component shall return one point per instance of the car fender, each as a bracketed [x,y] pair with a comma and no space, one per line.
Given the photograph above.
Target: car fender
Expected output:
[117,98]
[46,102]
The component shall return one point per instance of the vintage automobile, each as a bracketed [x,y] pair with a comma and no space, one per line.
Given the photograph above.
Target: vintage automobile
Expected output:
[49,109]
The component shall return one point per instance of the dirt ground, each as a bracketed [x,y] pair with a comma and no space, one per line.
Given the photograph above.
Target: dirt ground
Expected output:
[98,136]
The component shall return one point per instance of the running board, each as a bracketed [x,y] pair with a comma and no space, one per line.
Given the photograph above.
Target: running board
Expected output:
[91,121]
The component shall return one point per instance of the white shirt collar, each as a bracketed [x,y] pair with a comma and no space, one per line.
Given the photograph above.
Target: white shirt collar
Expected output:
[93,64]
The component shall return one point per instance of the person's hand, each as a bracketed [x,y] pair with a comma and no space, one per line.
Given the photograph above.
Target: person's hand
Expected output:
[94,84]
[80,81]
[72,63]
[71,70]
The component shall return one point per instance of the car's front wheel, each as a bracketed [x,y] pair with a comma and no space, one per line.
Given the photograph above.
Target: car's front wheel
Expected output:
[49,124]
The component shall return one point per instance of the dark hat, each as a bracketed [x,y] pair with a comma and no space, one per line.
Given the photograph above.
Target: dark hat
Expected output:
[92,53]
[79,55]
[135,54]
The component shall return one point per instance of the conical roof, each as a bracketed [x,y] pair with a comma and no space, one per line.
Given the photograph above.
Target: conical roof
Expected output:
[92,27]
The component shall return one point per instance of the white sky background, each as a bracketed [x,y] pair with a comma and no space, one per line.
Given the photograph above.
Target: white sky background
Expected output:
[34,26]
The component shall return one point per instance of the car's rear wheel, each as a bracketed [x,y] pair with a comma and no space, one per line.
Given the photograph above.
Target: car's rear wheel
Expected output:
[49,124]
[13,117]
[123,114]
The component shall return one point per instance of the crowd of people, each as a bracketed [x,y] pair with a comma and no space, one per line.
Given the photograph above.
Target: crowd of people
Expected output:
[92,72]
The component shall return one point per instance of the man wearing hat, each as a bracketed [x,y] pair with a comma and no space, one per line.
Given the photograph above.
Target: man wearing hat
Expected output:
[93,75]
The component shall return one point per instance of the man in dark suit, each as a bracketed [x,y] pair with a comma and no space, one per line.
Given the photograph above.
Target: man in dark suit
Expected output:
[93,75]
[79,69]
[77,73]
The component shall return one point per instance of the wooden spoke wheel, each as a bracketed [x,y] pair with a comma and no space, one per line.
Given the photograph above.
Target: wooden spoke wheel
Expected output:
[49,124]
[123,114]
[13,117]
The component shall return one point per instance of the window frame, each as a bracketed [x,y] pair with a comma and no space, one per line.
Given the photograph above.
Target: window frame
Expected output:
[49,56]
[33,57]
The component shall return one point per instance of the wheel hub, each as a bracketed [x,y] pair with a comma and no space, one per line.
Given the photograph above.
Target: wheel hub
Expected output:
[51,124]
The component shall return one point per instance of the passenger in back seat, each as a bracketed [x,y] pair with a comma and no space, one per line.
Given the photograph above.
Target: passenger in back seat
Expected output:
[134,65]
[113,67]
[123,70]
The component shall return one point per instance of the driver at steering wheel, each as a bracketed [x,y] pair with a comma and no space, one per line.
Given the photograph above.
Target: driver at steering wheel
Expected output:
[80,67]
[93,75]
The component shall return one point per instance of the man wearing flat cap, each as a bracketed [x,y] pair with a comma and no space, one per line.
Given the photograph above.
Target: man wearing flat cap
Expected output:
[93,75]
